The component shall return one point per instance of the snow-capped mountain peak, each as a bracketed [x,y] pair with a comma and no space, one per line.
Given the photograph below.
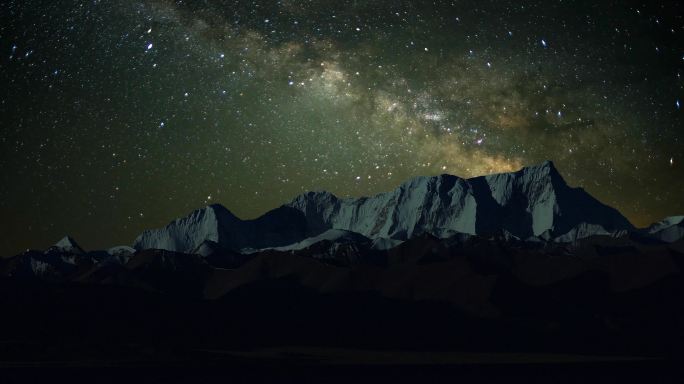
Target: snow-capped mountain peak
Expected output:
[186,234]
[68,244]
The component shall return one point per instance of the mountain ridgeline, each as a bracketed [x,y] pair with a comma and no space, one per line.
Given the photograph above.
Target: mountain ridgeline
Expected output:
[533,204]
[508,262]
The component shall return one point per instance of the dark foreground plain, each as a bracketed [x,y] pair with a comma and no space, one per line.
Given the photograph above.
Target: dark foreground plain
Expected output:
[603,310]
[293,370]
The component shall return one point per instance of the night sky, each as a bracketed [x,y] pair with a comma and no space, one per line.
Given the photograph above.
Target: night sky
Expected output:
[120,115]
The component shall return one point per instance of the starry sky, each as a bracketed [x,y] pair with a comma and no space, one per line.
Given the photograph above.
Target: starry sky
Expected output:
[120,115]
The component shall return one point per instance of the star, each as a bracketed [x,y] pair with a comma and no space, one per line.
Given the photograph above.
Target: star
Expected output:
[349,97]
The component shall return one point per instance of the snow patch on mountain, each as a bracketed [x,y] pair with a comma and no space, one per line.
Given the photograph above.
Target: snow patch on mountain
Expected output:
[336,236]
[120,250]
[383,243]
[669,230]
[581,231]
[207,248]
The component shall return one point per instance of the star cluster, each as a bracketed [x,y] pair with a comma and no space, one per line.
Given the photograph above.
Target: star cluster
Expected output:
[117,116]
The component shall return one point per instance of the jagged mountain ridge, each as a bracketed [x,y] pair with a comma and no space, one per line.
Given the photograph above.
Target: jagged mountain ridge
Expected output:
[279,227]
[533,202]
[526,203]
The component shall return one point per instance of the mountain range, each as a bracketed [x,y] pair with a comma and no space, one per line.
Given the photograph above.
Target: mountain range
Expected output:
[533,204]
[506,261]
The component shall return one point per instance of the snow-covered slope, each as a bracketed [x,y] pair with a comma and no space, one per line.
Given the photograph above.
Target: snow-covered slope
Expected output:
[383,243]
[335,236]
[534,202]
[67,244]
[188,233]
[526,203]
[120,250]
[207,248]
[281,226]
[669,230]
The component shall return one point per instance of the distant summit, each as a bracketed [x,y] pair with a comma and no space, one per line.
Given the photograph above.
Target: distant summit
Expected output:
[68,244]
[668,230]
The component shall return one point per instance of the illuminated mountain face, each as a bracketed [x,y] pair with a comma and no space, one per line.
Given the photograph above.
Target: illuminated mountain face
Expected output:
[534,202]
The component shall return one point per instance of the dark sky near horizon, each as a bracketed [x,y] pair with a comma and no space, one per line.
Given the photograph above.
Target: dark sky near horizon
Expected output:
[120,115]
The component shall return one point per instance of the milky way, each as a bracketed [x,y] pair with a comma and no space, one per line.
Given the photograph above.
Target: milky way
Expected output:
[118,116]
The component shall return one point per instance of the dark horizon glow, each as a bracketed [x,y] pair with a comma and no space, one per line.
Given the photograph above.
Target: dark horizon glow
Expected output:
[118,116]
